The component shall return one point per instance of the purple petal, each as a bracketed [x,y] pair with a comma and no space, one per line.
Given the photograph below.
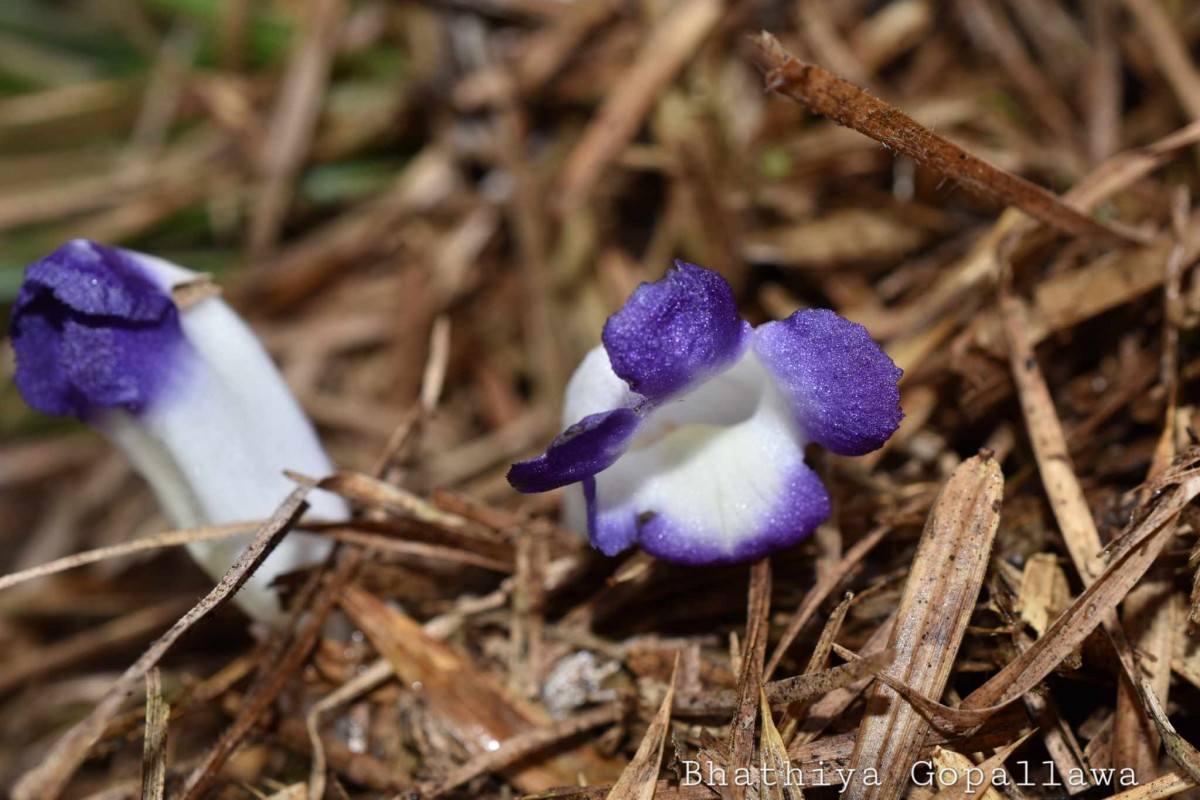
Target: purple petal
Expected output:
[795,513]
[675,332]
[579,452]
[89,278]
[842,386]
[609,533]
[91,330]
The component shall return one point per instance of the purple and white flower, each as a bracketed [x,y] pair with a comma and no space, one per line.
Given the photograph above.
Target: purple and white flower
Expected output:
[189,394]
[687,427]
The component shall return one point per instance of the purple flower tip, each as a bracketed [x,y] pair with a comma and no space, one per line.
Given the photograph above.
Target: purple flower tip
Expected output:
[674,331]
[92,330]
[844,389]
[582,450]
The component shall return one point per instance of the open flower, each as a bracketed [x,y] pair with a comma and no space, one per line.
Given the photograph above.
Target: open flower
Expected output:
[687,427]
[188,394]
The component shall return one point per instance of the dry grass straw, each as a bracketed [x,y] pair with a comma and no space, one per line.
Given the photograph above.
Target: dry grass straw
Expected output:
[754,652]
[773,758]
[849,105]
[154,756]
[637,781]
[48,779]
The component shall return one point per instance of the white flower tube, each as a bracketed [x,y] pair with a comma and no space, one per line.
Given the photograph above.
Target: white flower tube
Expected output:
[189,394]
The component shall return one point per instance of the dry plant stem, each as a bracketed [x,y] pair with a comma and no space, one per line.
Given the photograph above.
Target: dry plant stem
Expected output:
[47,780]
[773,755]
[1132,556]
[524,745]
[631,575]
[1044,592]
[1173,312]
[282,662]
[817,661]
[1185,755]
[312,262]
[433,377]
[1168,785]
[1057,735]
[284,657]
[1170,51]
[417,205]
[1126,168]
[1109,281]
[833,625]
[544,54]
[1102,87]
[1150,613]
[836,750]
[187,701]
[1132,740]
[1064,300]
[824,587]
[375,492]
[160,103]
[835,703]
[526,661]
[820,760]
[357,768]
[783,693]
[939,598]
[295,119]
[172,174]
[1000,37]
[135,627]
[1054,33]
[637,781]
[1050,446]
[542,350]
[846,104]
[397,447]
[674,38]
[383,544]
[375,675]
[154,753]
[960,788]
[156,541]
[1150,616]
[758,608]
[949,771]
[824,40]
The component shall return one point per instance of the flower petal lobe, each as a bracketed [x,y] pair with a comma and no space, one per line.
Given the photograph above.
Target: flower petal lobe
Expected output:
[802,505]
[587,447]
[842,386]
[91,330]
[674,332]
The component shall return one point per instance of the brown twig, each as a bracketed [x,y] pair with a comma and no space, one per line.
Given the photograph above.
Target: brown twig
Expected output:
[848,105]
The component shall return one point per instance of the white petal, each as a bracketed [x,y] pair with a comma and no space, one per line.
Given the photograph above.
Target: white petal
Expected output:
[595,388]
[215,446]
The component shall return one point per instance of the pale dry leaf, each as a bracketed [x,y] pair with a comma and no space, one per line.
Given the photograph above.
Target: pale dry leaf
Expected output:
[939,598]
